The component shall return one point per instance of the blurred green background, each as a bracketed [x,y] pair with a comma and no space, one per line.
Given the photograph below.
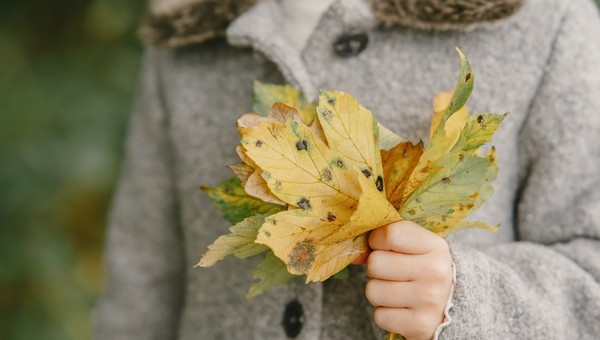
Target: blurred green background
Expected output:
[68,73]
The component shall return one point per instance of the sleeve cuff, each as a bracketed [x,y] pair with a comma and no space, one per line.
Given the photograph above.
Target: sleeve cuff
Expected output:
[449,304]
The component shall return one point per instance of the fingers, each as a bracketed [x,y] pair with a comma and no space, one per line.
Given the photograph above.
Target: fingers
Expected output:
[391,266]
[391,294]
[411,278]
[408,322]
[404,237]
[431,298]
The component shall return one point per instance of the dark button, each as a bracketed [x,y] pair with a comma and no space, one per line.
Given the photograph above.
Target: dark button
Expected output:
[351,42]
[293,318]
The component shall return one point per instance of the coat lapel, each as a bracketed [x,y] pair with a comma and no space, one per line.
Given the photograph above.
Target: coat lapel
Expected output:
[267,37]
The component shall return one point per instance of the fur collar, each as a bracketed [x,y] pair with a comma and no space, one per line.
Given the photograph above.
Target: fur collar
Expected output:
[174,23]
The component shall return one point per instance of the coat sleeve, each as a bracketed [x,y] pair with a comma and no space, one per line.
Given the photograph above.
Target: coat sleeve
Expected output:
[144,257]
[547,285]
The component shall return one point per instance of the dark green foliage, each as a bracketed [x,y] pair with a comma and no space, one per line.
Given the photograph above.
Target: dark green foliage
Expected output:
[235,204]
[68,73]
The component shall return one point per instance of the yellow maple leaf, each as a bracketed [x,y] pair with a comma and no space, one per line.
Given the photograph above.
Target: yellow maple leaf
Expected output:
[249,172]
[451,179]
[352,132]
[335,186]
[448,120]
[335,173]
[454,124]
[243,171]
[265,95]
[320,246]
[398,164]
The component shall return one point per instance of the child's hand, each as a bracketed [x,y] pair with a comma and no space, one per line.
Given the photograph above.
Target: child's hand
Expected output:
[411,278]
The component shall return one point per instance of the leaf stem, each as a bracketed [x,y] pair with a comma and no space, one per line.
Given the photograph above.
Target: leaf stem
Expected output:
[394,336]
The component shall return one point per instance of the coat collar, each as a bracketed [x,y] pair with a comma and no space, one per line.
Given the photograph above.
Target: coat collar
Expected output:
[252,30]
[175,23]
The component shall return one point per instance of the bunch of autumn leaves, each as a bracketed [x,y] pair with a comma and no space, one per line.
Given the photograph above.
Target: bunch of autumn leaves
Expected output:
[316,178]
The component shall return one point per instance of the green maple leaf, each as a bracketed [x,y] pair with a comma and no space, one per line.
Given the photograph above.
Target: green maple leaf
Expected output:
[231,199]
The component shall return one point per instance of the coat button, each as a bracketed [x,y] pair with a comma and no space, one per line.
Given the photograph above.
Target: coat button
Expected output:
[293,318]
[351,42]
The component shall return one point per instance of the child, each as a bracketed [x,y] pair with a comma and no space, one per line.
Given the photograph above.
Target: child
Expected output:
[536,278]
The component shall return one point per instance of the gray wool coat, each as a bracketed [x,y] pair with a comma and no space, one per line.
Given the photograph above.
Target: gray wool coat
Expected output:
[536,278]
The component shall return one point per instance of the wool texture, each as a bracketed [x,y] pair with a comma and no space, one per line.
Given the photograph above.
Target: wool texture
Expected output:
[536,278]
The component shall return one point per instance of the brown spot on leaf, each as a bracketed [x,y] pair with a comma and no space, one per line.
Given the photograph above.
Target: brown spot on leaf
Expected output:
[367,173]
[327,174]
[326,114]
[468,76]
[461,156]
[411,212]
[491,155]
[481,122]
[304,203]
[267,233]
[258,143]
[277,185]
[446,180]
[339,163]
[330,216]
[302,256]
[301,145]
[379,183]
[331,101]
